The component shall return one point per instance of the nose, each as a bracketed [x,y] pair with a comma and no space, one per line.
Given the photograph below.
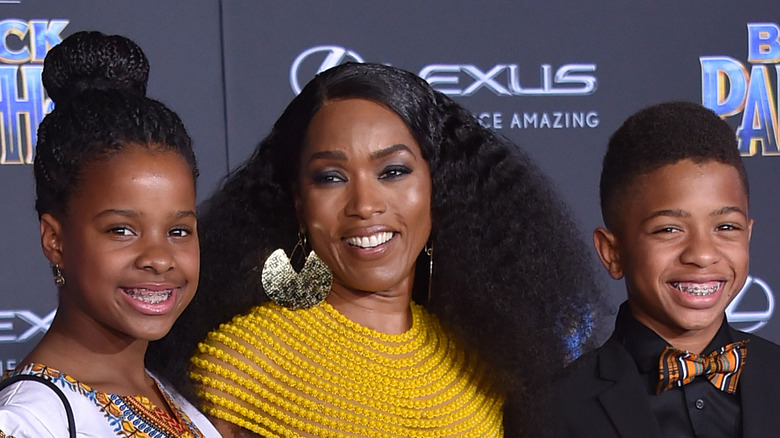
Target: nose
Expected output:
[365,198]
[700,249]
[155,255]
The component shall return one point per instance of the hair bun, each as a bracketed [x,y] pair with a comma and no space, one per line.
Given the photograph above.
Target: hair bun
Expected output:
[93,60]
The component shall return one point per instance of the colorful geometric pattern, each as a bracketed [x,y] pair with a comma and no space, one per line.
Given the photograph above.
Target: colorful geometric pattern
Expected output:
[722,367]
[130,416]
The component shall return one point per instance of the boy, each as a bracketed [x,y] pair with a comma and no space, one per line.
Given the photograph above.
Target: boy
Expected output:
[674,199]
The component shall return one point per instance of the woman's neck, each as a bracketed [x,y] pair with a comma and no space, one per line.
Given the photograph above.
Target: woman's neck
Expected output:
[384,312]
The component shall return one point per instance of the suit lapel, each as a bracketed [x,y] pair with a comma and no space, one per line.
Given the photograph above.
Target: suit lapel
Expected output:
[759,388]
[625,401]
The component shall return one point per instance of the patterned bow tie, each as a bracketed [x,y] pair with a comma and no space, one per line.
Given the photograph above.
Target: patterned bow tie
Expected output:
[722,367]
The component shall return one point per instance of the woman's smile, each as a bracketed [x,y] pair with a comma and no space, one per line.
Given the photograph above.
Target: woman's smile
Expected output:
[369,242]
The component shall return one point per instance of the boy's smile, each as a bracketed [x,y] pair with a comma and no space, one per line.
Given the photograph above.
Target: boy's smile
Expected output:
[681,242]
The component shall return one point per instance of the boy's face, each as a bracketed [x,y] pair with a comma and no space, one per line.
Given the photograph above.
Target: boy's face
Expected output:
[681,242]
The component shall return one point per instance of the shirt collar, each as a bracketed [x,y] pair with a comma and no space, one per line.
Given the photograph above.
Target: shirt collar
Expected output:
[645,346]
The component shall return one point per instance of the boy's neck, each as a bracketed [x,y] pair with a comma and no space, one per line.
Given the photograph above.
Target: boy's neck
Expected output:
[694,341]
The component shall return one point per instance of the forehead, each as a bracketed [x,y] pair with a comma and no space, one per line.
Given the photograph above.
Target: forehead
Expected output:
[687,185]
[356,122]
[135,165]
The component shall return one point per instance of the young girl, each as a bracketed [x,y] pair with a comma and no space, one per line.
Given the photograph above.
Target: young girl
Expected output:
[115,183]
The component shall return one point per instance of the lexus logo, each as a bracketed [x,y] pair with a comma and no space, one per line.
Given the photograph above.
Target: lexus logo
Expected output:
[318,59]
[754,319]
[17,326]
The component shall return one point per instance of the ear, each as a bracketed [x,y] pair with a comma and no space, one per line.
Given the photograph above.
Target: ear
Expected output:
[606,246]
[750,228]
[51,239]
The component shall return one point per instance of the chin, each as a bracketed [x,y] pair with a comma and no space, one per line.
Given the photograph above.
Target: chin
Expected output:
[700,322]
[154,333]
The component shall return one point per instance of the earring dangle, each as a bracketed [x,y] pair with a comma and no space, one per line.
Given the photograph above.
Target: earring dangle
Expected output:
[296,290]
[429,250]
[59,279]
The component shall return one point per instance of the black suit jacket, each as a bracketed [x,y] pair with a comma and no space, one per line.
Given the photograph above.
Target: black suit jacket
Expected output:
[602,395]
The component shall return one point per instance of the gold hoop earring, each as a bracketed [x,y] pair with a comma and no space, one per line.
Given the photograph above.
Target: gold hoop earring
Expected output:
[59,279]
[296,290]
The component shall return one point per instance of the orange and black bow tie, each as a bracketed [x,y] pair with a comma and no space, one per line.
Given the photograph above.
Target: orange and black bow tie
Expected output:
[722,367]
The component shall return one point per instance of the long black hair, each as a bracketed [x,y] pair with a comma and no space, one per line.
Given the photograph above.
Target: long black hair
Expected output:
[511,279]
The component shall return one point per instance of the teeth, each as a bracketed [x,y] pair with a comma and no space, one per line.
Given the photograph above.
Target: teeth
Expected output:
[371,241]
[149,296]
[697,289]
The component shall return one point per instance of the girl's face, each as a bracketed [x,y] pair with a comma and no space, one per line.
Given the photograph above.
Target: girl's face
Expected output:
[127,246]
[364,196]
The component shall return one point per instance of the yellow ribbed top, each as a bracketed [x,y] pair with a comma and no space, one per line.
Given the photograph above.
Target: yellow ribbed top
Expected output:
[315,373]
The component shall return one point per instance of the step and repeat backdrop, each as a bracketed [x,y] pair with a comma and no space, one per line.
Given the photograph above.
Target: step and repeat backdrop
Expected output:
[556,78]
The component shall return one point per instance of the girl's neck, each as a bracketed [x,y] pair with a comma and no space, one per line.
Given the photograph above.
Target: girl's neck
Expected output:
[114,371]
[104,361]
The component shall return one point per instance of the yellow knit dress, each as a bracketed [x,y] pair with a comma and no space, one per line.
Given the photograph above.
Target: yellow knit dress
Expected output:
[314,373]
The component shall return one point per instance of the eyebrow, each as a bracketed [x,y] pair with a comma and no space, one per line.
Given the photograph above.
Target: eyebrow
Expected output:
[390,150]
[132,213]
[727,210]
[328,155]
[679,213]
[376,155]
[676,213]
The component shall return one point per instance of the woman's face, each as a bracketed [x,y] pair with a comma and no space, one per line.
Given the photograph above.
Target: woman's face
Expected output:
[128,246]
[364,196]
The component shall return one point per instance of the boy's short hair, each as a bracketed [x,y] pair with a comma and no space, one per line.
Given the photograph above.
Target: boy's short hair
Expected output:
[658,136]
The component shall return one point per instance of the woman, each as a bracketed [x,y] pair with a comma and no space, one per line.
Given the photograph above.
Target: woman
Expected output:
[406,199]
[115,184]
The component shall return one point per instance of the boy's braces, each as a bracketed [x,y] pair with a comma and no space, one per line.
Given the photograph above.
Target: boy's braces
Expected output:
[697,289]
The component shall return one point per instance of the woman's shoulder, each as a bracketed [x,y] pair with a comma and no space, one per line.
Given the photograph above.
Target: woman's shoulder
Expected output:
[244,333]
[257,319]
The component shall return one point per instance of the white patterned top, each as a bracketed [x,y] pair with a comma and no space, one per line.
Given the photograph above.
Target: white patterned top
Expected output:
[33,410]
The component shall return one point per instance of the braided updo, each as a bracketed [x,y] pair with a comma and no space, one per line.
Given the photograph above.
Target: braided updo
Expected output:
[98,84]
